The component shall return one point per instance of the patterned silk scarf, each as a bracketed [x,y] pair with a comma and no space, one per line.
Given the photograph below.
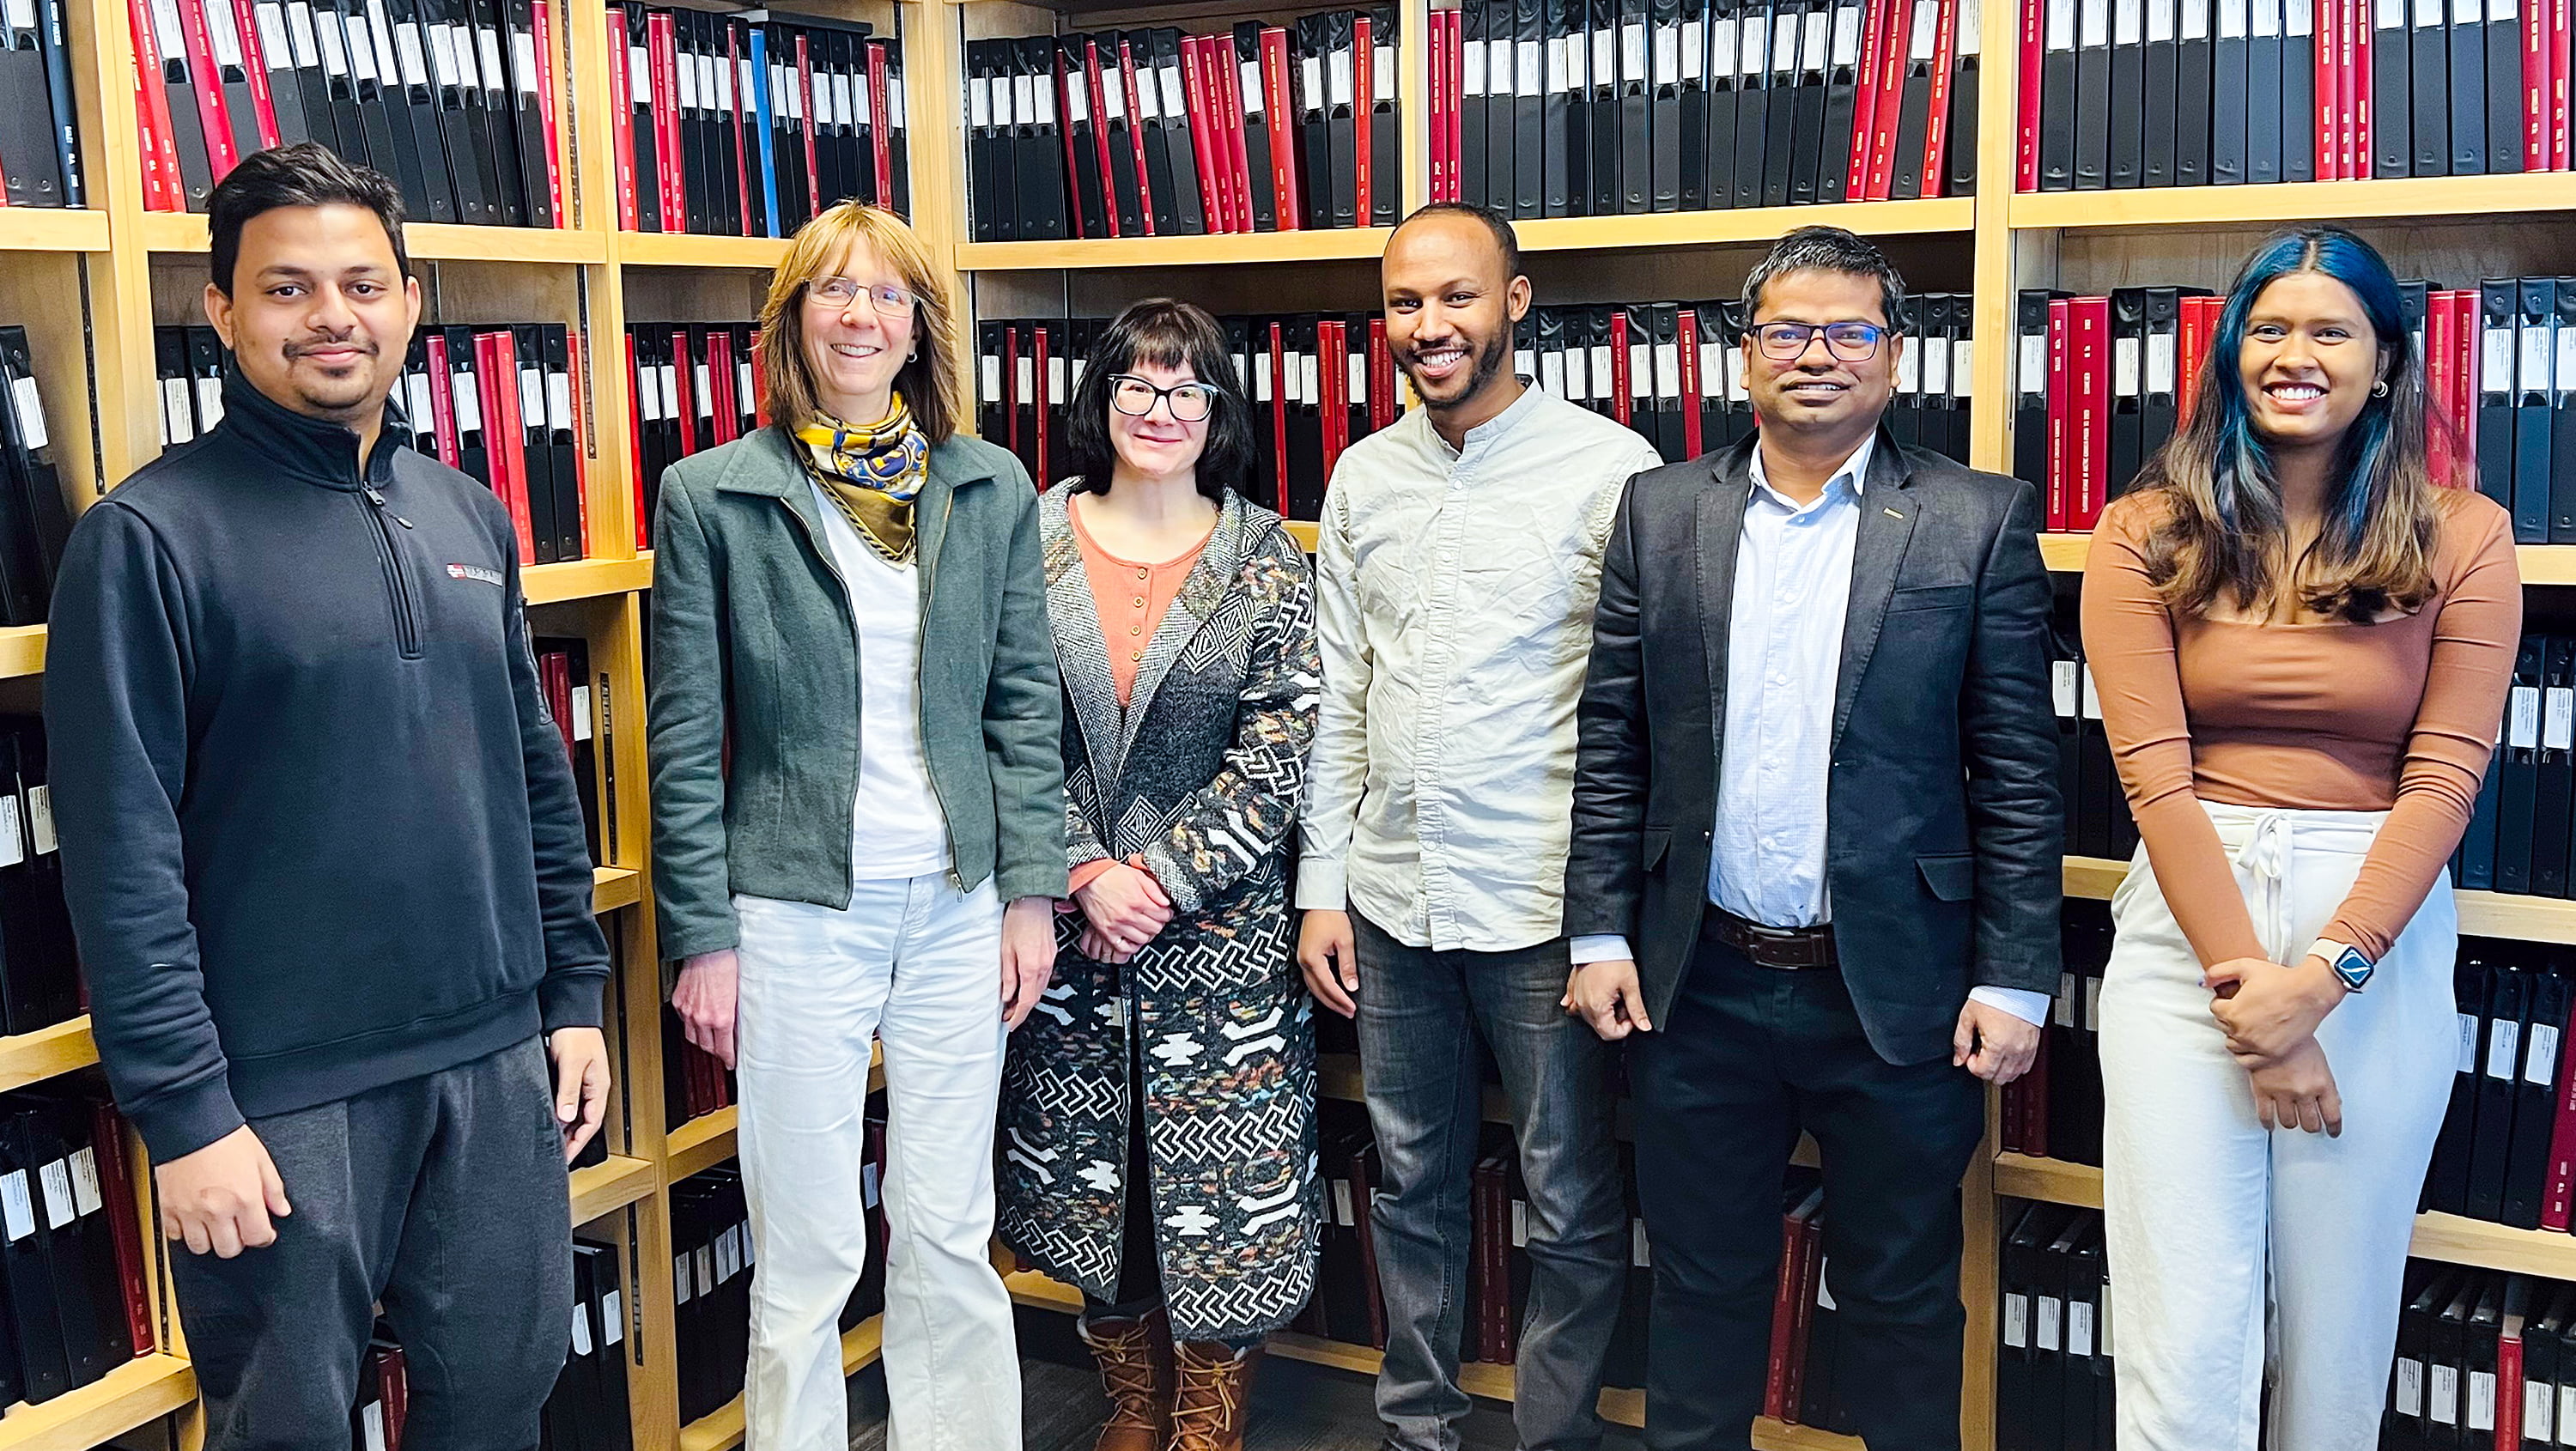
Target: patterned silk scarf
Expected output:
[873,472]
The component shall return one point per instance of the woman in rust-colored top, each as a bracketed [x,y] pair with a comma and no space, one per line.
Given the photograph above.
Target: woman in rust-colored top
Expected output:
[2302,647]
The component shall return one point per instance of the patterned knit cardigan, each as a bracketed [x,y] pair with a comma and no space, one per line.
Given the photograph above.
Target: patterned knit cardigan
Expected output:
[1201,775]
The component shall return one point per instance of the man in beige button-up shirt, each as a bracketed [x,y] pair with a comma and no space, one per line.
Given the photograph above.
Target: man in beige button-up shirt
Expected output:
[1459,559]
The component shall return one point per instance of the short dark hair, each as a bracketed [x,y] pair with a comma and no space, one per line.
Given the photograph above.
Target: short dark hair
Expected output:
[1506,241]
[1828,249]
[305,174]
[1167,334]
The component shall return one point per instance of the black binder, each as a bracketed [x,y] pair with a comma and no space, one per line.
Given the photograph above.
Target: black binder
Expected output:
[2195,77]
[2128,386]
[457,129]
[1563,110]
[2562,417]
[2058,101]
[1811,152]
[562,439]
[464,383]
[2230,103]
[2497,310]
[1041,156]
[1341,124]
[2468,46]
[1966,62]
[1607,148]
[1256,130]
[2535,1095]
[648,169]
[2157,83]
[2518,770]
[2391,116]
[2447,1184]
[2127,163]
[1842,98]
[2164,344]
[375,85]
[2505,86]
[2554,784]
[412,96]
[1726,81]
[1664,102]
[1636,110]
[340,83]
[1690,140]
[983,168]
[2532,459]
[2499,1068]
[1780,101]
[487,108]
[1473,19]
[1126,184]
[2092,81]
[2263,94]
[1073,86]
[2431,67]
[232,71]
[35,1310]
[312,88]
[1385,122]
[1189,208]
[2299,91]
[188,133]
[1314,47]
[40,521]
[527,122]
[2030,390]
[1528,194]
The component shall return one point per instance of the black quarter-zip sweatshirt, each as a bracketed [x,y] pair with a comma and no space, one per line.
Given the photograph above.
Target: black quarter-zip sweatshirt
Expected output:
[319,833]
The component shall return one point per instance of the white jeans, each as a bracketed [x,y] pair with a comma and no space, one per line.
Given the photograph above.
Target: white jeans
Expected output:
[2212,1220]
[917,966]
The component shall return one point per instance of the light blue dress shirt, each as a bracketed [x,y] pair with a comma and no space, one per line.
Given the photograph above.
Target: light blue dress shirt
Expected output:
[1793,566]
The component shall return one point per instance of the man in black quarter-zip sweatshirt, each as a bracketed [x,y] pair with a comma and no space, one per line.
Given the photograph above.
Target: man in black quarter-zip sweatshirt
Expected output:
[325,860]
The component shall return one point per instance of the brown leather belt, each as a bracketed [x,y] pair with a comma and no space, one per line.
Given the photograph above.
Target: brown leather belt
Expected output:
[1787,948]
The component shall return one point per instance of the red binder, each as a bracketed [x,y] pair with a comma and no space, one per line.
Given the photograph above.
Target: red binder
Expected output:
[2026,98]
[1279,111]
[255,61]
[2324,83]
[1066,79]
[1094,81]
[1332,377]
[1687,328]
[1045,400]
[1936,130]
[116,1188]
[221,155]
[2561,59]
[1136,131]
[1784,1307]
[1811,1271]
[162,189]
[880,106]
[1891,101]
[2464,376]
[496,364]
[442,398]
[2089,329]
[663,45]
[805,113]
[2536,69]
[2061,427]
[542,32]
[1622,406]
[2197,318]
[1439,104]
[1873,41]
[684,407]
[1381,366]
[1207,134]
[621,122]
[1224,76]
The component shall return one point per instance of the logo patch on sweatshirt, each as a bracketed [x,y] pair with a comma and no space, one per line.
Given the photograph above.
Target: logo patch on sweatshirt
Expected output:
[491,577]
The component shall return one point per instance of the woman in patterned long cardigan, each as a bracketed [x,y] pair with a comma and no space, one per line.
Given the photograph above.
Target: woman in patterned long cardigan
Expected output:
[1158,1108]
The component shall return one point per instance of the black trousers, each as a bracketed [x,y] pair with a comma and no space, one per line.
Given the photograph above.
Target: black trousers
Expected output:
[445,1197]
[1746,1058]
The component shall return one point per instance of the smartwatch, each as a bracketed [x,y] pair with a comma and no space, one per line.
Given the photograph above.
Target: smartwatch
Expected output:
[2346,962]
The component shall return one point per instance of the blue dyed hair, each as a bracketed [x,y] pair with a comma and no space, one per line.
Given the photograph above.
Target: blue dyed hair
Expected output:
[2224,526]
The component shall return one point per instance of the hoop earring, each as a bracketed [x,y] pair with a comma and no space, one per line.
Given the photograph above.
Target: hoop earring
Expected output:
[2379,389]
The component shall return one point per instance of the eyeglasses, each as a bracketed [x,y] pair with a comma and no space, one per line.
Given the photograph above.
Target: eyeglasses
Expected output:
[1135,397]
[1852,342]
[889,300]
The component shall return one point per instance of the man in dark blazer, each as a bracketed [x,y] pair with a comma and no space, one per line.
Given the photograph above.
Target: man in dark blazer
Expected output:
[1815,859]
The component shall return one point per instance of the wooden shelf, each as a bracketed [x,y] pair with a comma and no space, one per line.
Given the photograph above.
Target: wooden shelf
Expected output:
[1304,533]
[426,241]
[22,650]
[722,1430]
[46,1053]
[606,1188]
[57,229]
[616,887]
[126,1397]
[700,1144]
[2469,198]
[2508,915]
[1335,244]
[2450,1238]
[1477,1378]
[669,249]
[1750,226]
[581,579]
[2553,564]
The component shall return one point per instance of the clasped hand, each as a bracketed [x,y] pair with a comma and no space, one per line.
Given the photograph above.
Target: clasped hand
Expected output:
[1123,909]
[2270,1014]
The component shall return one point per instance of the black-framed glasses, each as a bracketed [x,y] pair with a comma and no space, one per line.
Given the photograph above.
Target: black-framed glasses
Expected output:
[1852,342]
[1133,396]
[888,299]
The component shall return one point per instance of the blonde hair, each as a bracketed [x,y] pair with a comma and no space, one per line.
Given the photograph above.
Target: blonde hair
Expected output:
[928,382]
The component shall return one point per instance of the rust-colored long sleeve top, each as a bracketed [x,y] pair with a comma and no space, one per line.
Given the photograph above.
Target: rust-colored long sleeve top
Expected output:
[2399,716]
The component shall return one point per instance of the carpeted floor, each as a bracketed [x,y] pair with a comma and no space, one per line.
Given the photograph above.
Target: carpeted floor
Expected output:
[1295,1407]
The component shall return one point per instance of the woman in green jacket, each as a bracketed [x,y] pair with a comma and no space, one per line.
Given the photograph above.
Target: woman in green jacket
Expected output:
[852,601]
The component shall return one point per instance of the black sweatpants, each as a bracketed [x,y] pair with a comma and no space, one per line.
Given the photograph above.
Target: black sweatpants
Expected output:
[445,1197]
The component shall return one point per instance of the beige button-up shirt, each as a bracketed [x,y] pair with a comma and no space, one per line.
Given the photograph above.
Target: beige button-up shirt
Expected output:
[1454,606]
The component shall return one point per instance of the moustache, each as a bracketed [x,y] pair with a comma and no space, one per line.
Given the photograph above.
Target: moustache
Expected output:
[315,345]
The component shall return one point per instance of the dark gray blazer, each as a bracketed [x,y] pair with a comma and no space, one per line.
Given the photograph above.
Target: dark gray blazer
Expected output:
[1943,830]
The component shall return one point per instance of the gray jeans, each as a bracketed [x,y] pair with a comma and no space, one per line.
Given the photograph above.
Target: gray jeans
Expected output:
[444,1196]
[1418,1010]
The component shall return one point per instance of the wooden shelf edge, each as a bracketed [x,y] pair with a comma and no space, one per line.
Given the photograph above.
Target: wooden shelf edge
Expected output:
[606,1188]
[46,1053]
[722,1430]
[615,887]
[1335,244]
[1746,227]
[2511,916]
[126,1397]
[22,650]
[52,229]
[425,241]
[2466,197]
[581,579]
[2093,878]
[2450,1238]
[698,1145]
[675,249]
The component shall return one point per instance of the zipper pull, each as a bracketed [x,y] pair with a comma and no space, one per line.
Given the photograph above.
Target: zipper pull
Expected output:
[378,500]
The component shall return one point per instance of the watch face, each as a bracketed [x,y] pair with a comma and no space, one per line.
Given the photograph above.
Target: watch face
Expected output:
[2353,968]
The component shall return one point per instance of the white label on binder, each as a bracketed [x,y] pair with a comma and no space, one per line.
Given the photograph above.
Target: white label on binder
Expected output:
[2160,362]
[612,1318]
[2128,20]
[2468,1026]
[648,396]
[716,68]
[1249,74]
[1528,71]
[2535,358]
[488,46]
[2062,687]
[176,419]
[2195,19]
[2504,1039]
[1310,378]
[1847,34]
[532,395]
[2495,362]
[31,413]
[2501,10]
[371,1425]
[210,400]
[1927,24]
[417,400]
[1056,389]
[1560,70]
[1077,102]
[2032,372]
[1382,71]
[1632,51]
[706,398]
[1605,57]
[1668,369]
[1963,352]
[1694,57]
[1356,386]
[639,69]
[1338,76]
[705,1258]
[2235,17]
[2092,697]
[2127,375]
[2410,1386]
[362,51]
[1640,1249]
[688,81]
[1712,370]
[683,1280]
[1551,374]
[1723,46]
[2301,18]
[1577,363]
[2079,1327]
[2557,710]
[1024,98]
[57,1180]
[1909,371]
[221,34]
[1172,92]
[581,712]
[1043,92]
[17,1211]
[335,54]
[1520,1224]
[1313,71]
[2016,1320]
[165,29]
[1816,45]
[2063,1008]
[2044,1333]
[1668,55]
[299,31]
[2468,12]
[274,49]
[580,1332]
[1753,44]
[1735,388]
[2160,21]
[85,1192]
[2061,24]
[408,58]
[1601,372]
[2267,18]
[1784,45]
[40,819]
[1641,370]
[2540,1065]
[559,402]
[1970,39]
[2539,1411]
[468,399]
[2482,1398]
[1342,1204]
[2391,15]
[1471,70]
[1935,367]
[2523,717]
[1113,98]
[2428,14]
[894,120]
[670,376]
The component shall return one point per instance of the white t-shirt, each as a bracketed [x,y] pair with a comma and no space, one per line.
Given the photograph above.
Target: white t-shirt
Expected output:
[896,829]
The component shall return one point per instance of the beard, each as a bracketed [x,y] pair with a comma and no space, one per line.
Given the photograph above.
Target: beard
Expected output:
[1491,359]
